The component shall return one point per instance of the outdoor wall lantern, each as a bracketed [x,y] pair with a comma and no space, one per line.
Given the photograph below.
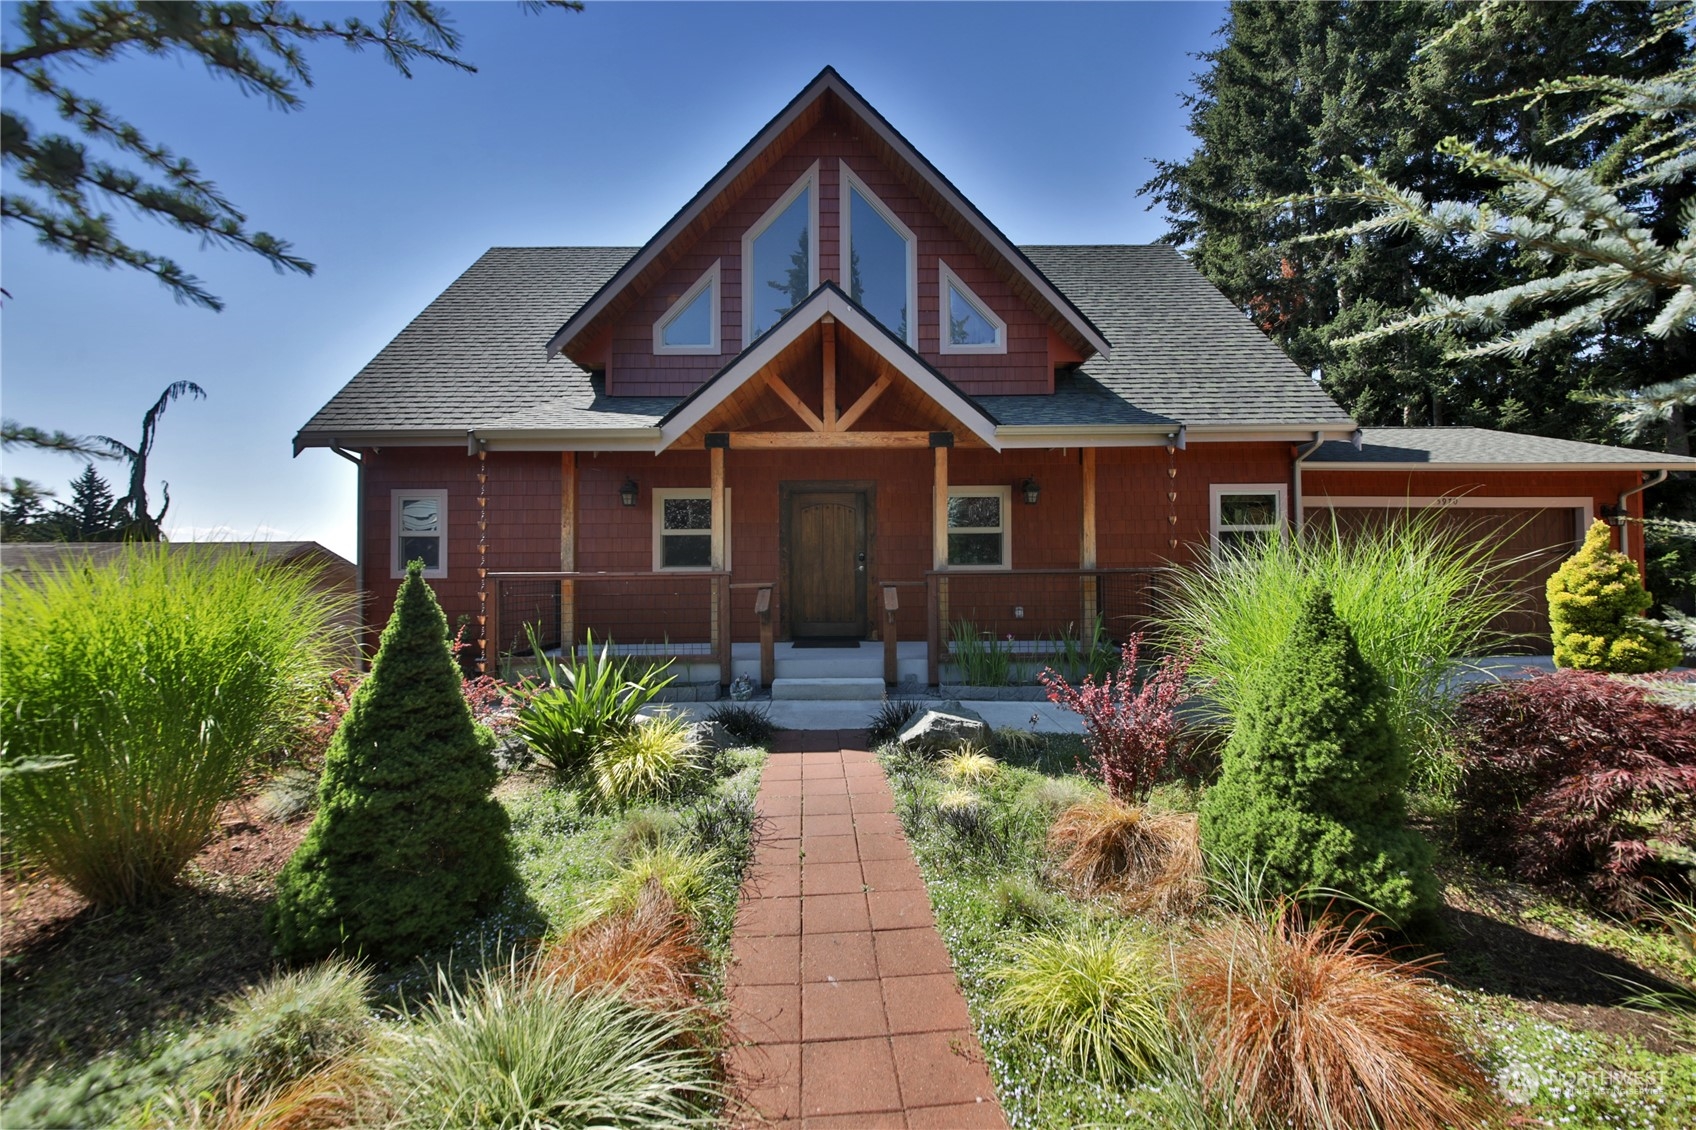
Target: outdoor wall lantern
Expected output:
[1032,491]
[627,492]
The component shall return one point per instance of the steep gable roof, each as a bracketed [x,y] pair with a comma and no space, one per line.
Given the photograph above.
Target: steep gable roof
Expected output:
[800,114]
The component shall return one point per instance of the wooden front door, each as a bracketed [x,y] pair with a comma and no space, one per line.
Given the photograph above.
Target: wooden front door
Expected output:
[827,564]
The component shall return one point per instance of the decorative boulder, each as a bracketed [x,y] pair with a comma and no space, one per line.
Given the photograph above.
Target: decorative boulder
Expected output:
[942,731]
[713,737]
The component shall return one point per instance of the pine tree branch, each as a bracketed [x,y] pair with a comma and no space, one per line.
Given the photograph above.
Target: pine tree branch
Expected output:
[14,434]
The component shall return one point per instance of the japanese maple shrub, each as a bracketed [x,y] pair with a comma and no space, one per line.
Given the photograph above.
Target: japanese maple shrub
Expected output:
[1314,777]
[1579,780]
[408,846]
[1129,730]
[1596,606]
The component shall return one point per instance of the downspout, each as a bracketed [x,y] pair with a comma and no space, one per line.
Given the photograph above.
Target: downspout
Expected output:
[1299,517]
[1624,526]
[358,534]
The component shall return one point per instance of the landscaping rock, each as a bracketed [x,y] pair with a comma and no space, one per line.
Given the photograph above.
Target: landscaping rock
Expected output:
[712,737]
[945,729]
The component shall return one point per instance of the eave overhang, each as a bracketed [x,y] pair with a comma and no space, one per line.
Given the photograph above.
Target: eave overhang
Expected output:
[829,82]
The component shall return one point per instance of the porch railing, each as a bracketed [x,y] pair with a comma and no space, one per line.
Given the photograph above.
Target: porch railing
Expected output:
[661,616]
[1035,608]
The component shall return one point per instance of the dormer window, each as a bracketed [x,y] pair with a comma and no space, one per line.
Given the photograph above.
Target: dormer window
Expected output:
[968,324]
[691,324]
[780,258]
[883,259]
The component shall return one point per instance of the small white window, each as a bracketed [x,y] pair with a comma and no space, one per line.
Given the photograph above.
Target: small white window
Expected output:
[780,257]
[418,523]
[691,325]
[1244,513]
[683,528]
[979,532]
[883,259]
[968,324]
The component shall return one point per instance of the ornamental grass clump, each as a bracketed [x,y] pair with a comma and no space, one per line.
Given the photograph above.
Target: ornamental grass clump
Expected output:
[655,758]
[969,765]
[408,845]
[684,877]
[1313,785]
[138,695]
[1417,594]
[1305,1024]
[650,954]
[1596,606]
[1131,732]
[1097,995]
[1149,861]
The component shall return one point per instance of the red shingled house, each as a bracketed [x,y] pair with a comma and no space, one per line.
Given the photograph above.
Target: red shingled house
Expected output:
[830,402]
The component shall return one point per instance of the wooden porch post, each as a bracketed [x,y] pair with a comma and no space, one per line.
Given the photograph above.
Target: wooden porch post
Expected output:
[938,592]
[1086,547]
[568,554]
[721,585]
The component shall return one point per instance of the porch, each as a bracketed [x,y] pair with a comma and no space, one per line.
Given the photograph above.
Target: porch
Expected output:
[711,628]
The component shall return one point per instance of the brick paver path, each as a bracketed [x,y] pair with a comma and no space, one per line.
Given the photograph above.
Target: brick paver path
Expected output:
[844,1009]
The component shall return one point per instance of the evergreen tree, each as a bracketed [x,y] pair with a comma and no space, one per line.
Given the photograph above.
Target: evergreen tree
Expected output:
[1596,606]
[407,846]
[91,512]
[63,188]
[130,514]
[1300,94]
[1313,785]
[26,508]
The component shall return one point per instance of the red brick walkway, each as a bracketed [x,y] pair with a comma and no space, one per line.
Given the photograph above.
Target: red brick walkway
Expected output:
[844,1008]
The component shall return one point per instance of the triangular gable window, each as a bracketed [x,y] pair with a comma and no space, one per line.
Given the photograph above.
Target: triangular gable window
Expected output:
[691,325]
[780,258]
[968,324]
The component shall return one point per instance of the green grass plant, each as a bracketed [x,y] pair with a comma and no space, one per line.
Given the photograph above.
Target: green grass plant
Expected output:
[657,757]
[984,661]
[1417,595]
[1097,994]
[137,695]
[1077,656]
[969,765]
[891,717]
[686,876]
[298,1021]
[511,1051]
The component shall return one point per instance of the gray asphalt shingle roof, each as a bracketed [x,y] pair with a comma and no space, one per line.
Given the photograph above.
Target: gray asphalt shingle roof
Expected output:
[474,357]
[1480,446]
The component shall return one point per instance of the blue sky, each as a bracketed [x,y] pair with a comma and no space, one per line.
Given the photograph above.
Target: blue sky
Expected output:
[588,128]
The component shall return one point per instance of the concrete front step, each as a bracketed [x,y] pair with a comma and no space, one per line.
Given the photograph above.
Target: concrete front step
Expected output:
[827,689]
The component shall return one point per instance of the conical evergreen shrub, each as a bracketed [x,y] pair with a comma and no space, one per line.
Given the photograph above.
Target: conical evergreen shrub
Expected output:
[1313,785]
[1596,606]
[408,846]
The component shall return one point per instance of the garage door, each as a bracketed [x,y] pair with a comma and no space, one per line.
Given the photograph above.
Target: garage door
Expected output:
[1530,543]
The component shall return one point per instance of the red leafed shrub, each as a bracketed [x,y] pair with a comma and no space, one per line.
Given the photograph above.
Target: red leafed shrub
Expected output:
[1576,779]
[1131,731]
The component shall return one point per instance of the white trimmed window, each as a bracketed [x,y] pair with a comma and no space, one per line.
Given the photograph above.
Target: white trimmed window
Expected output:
[691,324]
[683,528]
[968,324]
[980,534]
[1246,512]
[780,257]
[418,531]
[882,259]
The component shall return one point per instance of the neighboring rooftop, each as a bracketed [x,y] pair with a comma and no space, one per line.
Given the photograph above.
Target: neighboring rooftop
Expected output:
[474,358]
[1480,447]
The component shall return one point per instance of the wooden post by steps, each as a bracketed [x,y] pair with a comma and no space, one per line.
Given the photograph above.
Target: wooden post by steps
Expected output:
[891,605]
[768,649]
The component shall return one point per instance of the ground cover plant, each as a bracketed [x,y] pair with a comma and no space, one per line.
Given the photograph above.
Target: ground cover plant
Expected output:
[407,845]
[1581,781]
[1417,596]
[1524,999]
[138,695]
[1596,606]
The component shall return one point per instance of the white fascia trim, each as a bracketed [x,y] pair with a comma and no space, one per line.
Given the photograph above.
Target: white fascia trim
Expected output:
[1667,465]
[808,183]
[945,277]
[822,303]
[1042,435]
[845,243]
[1248,433]
[709,279]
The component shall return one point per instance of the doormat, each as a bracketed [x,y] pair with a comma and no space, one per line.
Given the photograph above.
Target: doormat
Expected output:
[826,641]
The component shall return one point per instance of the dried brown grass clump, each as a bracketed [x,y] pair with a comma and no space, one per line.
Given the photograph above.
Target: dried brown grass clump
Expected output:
[650,954]
[335,1096]
[1306,1025]
[1151,862]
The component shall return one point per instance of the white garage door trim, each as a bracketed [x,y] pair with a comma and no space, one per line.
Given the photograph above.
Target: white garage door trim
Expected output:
[1583,508]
